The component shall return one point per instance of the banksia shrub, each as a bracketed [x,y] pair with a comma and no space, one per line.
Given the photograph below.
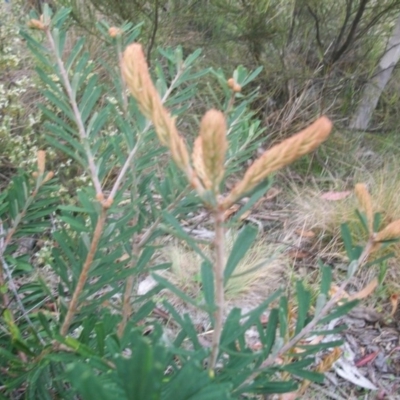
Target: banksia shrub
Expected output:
[84,329]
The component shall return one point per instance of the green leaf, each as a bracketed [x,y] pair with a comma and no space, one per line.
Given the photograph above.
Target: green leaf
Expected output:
[74,53]
[192,58]
[379,260]
[283,317]
[242,244]
[207,279]
[87,383]
[45,324]
[90,97]
[305,374]
[311,349]
[270,332]
[256,194]
[231,329]
[75,224]
[144,311]
[348,243]
[179,232]
[363,219]
[252,76]
[339,311]
[304,301]
[262,387]
[60,104]
[377,222]
[326,279]
[168,285]
[100,338]
[140,374]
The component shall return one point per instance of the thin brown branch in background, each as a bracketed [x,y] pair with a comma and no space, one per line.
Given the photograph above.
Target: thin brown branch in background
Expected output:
[153,33]
[337,54]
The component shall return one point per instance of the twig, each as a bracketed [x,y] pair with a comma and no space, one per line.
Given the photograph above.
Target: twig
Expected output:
[73,305]
[126,306]
[78,119]
[154,32]
[219,267]
[324,311]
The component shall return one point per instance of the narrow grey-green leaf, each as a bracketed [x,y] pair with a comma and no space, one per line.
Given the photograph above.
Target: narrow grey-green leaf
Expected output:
[241,246]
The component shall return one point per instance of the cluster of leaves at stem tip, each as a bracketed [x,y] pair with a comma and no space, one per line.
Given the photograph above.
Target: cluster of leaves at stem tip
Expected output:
[75,325]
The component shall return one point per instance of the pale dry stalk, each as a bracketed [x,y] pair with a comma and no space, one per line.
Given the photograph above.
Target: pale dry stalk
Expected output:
[126,302]
[219,268]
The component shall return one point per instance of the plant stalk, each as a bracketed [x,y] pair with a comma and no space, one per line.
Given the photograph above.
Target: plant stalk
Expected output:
[219,268]
[314,322]
[73,305]
[78,118]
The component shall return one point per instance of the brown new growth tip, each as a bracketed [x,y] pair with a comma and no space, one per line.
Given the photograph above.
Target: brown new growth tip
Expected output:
[41,161]
[135,71]
[391,232]
[213,148]
[114,32]
[364,199]
[279,156]
[198,163]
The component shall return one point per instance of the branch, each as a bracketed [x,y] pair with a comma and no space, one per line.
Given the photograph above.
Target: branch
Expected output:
[317,32]
[153,34]
[324,311]
[337,54]
[73,305]
[219,267]
[78,119]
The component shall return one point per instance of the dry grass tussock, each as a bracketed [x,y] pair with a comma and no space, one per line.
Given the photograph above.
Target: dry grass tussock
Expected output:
[259,272]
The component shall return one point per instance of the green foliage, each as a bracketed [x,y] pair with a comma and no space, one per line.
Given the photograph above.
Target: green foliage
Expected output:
[317,54]
[76,326]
